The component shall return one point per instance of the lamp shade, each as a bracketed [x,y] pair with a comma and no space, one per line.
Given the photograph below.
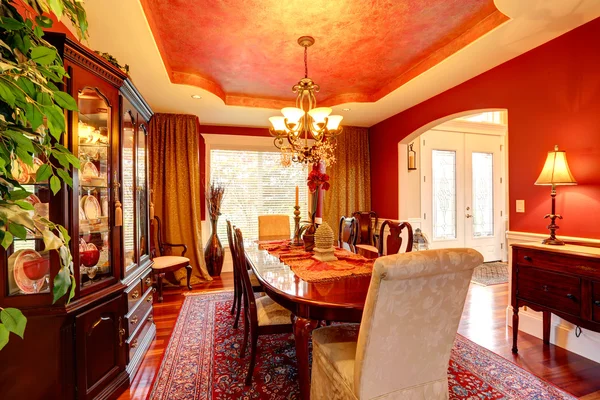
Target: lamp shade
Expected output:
[556,170]
[319,114]
[293,114]
[333,122]
[278,123]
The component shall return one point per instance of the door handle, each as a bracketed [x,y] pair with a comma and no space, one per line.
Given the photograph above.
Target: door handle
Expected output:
[469,215]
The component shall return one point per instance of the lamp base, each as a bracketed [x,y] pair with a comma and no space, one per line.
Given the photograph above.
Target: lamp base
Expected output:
[553,241]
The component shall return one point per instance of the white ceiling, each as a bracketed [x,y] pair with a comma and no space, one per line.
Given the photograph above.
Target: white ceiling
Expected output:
[119,27]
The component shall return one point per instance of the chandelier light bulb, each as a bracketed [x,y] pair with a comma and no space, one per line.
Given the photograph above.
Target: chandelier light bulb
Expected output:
[319,114]
[293,114]
[333,122]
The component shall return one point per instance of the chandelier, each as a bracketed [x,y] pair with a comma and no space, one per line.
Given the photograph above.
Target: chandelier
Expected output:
[306,133]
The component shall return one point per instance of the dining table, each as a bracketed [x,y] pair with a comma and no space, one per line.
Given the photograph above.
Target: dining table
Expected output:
[311,303]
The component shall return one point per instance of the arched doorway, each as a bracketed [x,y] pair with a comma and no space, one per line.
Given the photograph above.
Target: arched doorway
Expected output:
[457,192]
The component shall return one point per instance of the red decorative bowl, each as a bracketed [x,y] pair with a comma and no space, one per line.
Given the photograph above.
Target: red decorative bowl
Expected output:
[36,269]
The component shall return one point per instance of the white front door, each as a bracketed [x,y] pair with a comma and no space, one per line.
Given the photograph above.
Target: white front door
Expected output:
[462,197]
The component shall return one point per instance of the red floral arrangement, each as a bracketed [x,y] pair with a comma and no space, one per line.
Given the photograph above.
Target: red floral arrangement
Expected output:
[316,179]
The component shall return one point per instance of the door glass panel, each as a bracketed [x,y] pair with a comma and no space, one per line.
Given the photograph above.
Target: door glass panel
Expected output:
[28,263]
[94,183]
[128,190]
[142,195]
[483,194]
[443,164]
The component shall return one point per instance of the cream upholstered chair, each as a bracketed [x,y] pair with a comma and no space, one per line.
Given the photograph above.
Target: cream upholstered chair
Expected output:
[401,349]
[273,227]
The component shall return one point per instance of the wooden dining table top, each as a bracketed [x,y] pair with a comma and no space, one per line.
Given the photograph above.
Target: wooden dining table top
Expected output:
[347,293]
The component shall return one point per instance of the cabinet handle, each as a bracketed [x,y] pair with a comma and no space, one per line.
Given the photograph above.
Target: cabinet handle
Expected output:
[135,294]
[121,332]
[597,302]
[134,319]
[148,281]
[571,296]
[527,258]
[149,299]
[151,318]
[134,344]
[103,318]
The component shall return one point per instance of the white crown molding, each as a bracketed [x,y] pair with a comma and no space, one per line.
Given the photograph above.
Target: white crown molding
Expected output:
[482,128]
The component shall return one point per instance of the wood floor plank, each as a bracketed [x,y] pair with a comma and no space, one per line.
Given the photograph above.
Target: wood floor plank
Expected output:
[483,322]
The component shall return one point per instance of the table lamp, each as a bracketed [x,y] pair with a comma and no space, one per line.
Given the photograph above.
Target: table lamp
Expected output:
[555,172]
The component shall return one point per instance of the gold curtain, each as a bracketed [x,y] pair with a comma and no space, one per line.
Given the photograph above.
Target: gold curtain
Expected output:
[175,177]
[350,177]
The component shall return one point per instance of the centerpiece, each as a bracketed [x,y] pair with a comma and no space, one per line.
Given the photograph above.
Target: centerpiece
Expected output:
[316,182]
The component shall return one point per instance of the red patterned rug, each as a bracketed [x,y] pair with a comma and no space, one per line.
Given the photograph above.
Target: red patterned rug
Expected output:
[202,362]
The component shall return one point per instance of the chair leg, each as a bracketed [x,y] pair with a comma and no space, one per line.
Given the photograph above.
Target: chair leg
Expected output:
[235,290]
[246,331]
[252,357]
[239,308]
[189,276]
[159,283]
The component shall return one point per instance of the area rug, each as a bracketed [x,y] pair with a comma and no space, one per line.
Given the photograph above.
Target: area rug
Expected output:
[202,362]
[492,273]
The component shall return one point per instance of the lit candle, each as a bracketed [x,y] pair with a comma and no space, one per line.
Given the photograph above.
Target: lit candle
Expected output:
[411,161]
[297,195]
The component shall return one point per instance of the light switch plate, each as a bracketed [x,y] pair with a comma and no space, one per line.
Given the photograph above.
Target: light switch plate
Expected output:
[520,206]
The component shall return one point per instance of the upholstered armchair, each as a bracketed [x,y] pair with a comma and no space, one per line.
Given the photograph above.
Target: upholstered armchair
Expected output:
[401,349]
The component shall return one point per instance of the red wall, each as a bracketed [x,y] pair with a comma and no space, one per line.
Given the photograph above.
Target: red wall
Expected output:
[221,130]
[552,94]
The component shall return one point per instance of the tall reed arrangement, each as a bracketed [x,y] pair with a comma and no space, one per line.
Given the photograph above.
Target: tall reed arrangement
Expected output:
[214,199]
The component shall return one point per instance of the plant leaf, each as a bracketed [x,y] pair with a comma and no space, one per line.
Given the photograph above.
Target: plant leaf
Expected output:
[65,101]
[65,234]
[43,55]
[51,241]
[54,185]
[7,240]
[64,174]
[14,321]
[19,194]
[56,120]
[7,94]
[18,230]
[11,24]
[44,21]
[3,336]
[25,205]
[43,173]
[62,282]
[57,8]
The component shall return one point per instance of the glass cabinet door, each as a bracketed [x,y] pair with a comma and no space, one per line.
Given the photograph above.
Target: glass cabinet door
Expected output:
[28,265]
[94,148]
[128,188]
[142,194]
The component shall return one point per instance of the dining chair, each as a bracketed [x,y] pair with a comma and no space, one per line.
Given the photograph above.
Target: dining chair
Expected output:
[165,262]
[401,349]
[367,225]
[262,315]
[348,233]
[395,237]
[237,282]
[273,227]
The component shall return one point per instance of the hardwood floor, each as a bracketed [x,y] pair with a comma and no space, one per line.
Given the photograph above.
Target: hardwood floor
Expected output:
[483,322]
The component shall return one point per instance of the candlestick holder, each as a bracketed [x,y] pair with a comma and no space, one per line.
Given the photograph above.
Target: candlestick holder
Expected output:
[297,239]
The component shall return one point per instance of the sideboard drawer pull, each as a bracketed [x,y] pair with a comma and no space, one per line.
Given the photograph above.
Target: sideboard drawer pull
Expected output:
[527,258]
[135,294]
[597,302]
[571,296]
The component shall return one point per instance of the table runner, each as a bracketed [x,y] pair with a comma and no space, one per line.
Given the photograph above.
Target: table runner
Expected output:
[310,270]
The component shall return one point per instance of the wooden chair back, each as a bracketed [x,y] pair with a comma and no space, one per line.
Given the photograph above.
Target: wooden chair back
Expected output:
[395,237]
[158,246]
[348,233]
[273,227]
[242,271]
[367,223]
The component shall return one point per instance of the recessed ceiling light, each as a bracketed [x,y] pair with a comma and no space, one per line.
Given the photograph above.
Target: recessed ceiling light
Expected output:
[346,109]
[196,96]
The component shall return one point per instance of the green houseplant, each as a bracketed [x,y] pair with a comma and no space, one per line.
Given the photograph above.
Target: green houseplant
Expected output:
[31,126]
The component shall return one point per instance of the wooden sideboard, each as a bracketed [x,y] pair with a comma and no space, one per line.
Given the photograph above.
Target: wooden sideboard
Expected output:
[560,280]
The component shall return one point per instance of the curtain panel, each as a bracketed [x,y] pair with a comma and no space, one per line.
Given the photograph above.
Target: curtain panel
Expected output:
[175,178]
[350,177]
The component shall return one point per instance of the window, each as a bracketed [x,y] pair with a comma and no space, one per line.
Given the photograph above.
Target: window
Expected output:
[255,184]
[444,194]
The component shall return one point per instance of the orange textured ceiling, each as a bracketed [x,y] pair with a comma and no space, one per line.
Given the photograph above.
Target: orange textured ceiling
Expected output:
[246,51]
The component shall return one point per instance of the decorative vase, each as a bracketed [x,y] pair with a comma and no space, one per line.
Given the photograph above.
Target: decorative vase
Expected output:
[213,252]
[309,238]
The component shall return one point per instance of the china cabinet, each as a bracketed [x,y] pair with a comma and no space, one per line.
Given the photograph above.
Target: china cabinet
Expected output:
[91,347]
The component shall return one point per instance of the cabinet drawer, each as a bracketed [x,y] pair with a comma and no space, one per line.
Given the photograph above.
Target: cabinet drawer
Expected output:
[134,342]
[147,280]
[136,316]
[556,291]
[557,262]
[596,301]
[134,292]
